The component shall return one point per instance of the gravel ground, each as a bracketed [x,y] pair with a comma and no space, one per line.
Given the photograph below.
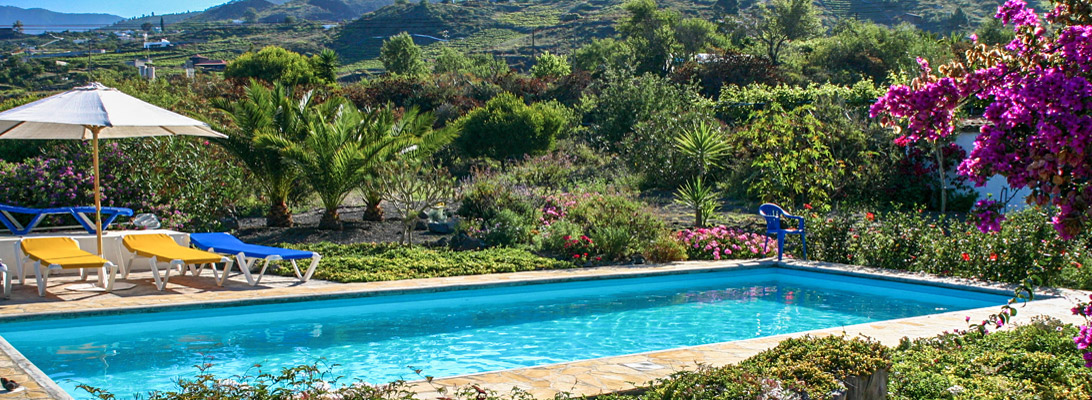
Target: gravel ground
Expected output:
[253,230]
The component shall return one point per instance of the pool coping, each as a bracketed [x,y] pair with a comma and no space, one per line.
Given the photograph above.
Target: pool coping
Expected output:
[586,274]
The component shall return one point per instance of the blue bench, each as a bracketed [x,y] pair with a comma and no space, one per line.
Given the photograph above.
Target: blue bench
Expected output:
[84,215]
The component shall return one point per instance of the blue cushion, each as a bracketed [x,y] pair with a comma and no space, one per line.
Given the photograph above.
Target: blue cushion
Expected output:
[226,243]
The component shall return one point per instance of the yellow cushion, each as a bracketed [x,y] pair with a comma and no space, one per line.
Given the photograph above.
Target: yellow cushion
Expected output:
[61,251]
[164,248]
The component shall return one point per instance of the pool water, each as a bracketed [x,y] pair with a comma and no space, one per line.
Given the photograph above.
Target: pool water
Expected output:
[385,338]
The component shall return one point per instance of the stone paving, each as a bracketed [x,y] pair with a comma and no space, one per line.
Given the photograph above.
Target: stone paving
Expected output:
[587,377]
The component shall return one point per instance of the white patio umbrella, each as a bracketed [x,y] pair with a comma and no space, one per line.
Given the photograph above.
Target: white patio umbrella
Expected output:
[92,112]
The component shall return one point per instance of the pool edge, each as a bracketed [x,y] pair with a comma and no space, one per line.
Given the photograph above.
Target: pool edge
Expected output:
[44,382]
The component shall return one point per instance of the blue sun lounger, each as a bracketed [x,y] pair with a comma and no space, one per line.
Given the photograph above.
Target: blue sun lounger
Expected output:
[84,215]
[246,255]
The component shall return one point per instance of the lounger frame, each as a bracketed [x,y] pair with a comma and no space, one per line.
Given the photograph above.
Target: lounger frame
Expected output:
[41,276]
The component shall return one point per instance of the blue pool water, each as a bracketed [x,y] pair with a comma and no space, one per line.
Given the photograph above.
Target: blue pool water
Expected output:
[380,339]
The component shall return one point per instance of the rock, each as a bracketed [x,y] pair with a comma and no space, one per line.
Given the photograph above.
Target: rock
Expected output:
[442,228]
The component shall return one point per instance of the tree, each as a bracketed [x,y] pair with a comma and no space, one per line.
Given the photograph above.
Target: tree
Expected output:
[413,124]
[1036,133]
[695,35]
[338,148]
[401,56]
[650,33]
[413,188]
[147,26]
[549,65]
[289,20]
[162,26]
[602,55]
[864,50]
[506,128]
[273,64]
[17,26]
[783,21]
[266,112]
[325,64]
[707,146]
[451,61]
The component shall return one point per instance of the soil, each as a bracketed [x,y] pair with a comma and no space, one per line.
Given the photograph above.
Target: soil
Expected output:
[354,230]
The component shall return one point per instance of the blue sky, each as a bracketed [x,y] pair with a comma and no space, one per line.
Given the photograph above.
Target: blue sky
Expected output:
[124,8]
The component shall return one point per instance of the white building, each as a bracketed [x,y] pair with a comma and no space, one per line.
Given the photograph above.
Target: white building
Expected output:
[996,188]
[161,44]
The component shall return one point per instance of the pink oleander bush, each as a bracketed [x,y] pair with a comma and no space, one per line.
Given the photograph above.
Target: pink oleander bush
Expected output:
[721,243]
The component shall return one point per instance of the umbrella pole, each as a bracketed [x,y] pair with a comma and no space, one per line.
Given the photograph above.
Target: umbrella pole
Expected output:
[98,193]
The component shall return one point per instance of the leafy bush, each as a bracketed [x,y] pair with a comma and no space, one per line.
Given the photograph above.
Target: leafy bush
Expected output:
[549,65]
[366,262]
[916,241]
[1033,361]
[401,56]
[808,366]
[275,64]
[488,193]
[506,127]
[138,174]
[723,243]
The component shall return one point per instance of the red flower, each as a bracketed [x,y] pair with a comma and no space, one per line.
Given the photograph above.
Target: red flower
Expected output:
[576,256]
[807,206]
[870,216]
[993,256]
[965,256]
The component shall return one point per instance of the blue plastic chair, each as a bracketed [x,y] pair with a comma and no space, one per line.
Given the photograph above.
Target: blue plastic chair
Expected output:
[247,255]
[83,215]
[773,215]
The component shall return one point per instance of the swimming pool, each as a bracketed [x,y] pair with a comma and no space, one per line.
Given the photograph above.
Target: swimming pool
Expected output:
[384,338]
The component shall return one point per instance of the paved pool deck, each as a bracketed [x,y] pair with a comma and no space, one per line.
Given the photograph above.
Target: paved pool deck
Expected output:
[586,377]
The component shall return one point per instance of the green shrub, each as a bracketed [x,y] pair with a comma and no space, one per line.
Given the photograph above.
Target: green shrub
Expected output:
[664,249]
[488,193]
[1033,361]
[916,241]
[506,228]
[365,262]
[506,127]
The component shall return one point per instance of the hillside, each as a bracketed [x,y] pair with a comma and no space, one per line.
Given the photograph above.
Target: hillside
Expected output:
[37,20]
[508,29]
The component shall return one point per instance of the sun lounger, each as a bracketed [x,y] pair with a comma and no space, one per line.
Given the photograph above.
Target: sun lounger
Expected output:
[58,253]
[160,247]
[84,215]
[246,255]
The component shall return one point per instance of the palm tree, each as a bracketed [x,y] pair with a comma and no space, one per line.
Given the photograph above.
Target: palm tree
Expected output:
[266,111]
[340,145]
[415,125]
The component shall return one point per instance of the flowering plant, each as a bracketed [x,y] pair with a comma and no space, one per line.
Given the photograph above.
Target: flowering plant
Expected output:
[1037,120]
[723,243]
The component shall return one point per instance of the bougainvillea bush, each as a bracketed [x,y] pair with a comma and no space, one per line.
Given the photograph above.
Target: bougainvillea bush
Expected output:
[722,243]
[1038,122]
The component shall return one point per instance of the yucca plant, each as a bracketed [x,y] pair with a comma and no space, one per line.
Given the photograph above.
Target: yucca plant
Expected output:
[269,112]
[704,143]
[701,197]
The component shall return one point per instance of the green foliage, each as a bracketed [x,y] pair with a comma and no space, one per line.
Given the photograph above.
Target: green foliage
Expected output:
[783,21]
[993,32]
[413,188]
[506,127]
[365,262]
[786,158]
[451,61]
[622,101]
[699,196]
[265,111]
[859,51]
[649,32]
[603,55]
[549,65]
[808,365]
[401,56]
[275,64]
[696,35]
[737,104]
[1033,361]
[664,249]
[915,241]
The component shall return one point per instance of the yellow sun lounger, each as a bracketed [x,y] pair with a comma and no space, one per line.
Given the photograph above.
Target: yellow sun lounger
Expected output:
[160,247]
[62,253]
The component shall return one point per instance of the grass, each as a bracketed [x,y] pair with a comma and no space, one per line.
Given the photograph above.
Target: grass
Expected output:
[367,262]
